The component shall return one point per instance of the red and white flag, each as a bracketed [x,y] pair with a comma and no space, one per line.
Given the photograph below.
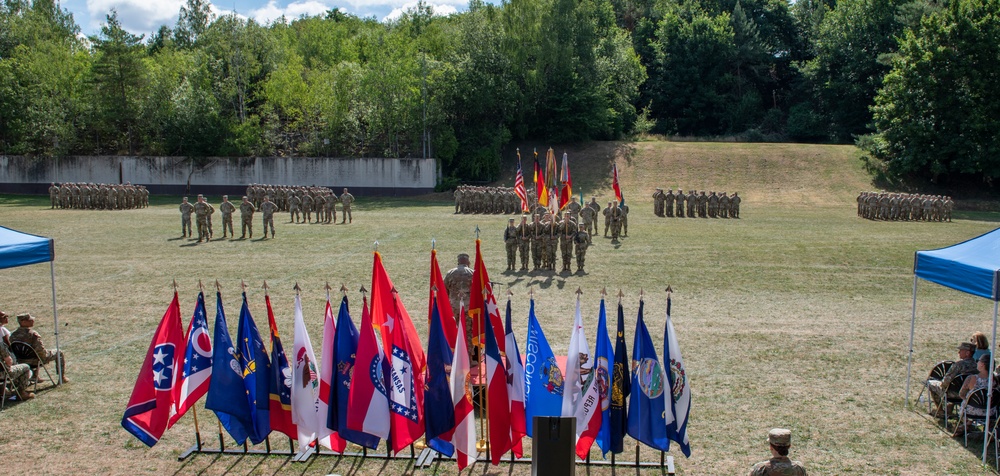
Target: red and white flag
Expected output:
[588,416]
[197,370]
[515,389]
[614,182]
[566,192]
[482,303]
[464,437]
[443,304]
[498,401]
[367,400]
[577,359]
[326,436]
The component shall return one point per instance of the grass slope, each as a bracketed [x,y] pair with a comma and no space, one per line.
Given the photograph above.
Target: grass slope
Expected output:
[797,315]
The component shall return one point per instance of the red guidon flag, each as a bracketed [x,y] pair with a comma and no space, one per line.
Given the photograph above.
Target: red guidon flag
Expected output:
[443,304]
[614,183]
[483,303]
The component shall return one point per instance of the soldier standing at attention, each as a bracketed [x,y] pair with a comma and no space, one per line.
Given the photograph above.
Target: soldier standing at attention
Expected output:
[658,202]
[574,208]
[524,241]
[227,208]
[713,205]
[567,237]
[208,220]
[293,209]
[536,242]
[780,440]
[668,203]
[734,205]
[607,219]
[552,244]
[246,216]
[319,203]
[624,209]
[615,217]
[582,242]
[458,282]
[692,203]
[346,199]
[510,241]
[267,208]
[54,194]
[596,207]
[307,207]
[681,198]
[186,210]
[587,217]
[201,214]
[702,205]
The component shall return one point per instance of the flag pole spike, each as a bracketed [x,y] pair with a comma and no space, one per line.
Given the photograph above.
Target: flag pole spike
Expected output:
[175,284]
[218,287]
[363,291]
[343,289]
[433,244]
[669,290]
[641,293]
[604,291]
[265,288]
[376,246]
[477,232]
[297,288]
[201,287]
[531,292]
[578,291]
[243,284]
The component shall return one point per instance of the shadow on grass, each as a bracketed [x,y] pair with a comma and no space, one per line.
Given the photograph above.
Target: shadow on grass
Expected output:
[989,217]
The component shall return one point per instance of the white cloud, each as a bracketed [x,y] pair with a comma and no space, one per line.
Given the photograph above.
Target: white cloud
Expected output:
[270,12]
[439,10]
[136,16]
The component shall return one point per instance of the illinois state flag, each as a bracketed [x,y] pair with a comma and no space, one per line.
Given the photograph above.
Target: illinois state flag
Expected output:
[305,383]
[193,383]
[543,381]
[498,402]
[279,381]
[464,436]
[680,394]
[646,406]
[152,399]
[515,388]
[367,396]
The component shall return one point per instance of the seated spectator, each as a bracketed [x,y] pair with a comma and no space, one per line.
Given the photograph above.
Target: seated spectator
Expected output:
[26,334]
[982,345]
[20,374]
[975,382]
[962,367]
[4,333]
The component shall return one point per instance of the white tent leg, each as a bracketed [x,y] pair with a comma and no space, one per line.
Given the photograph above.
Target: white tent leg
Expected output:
[989,395]
[55,316]
[909,358]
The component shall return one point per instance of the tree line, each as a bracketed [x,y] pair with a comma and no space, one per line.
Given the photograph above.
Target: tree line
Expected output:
[906,79]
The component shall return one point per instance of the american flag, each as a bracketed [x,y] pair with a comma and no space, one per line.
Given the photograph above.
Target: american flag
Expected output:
[519,185]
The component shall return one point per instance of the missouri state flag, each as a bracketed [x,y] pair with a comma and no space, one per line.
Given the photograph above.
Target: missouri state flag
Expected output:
[646,408]
[679,397]
[197,371]
[152,399]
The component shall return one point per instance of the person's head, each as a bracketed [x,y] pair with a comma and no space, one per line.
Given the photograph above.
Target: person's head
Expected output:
[510,222]
[524,219]
[185,199]
[201,198]
[983,364]
[979,339]
[965,350]
[25,320]
[780,440]
[345,190]
[267,198]
[463,259]
[245,199]
[4,319]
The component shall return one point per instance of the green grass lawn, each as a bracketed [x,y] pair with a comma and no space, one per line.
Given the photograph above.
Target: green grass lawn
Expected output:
[796,315]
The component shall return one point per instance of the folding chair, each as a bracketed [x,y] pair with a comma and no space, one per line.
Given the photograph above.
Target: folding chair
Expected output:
[8,384]
[953,388]
[26,355]
[937,373]
[977,399]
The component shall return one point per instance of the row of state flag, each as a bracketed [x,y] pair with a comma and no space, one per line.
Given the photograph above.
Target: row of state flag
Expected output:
[377,383]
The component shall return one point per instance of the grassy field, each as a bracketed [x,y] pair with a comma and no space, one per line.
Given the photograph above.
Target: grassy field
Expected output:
[796,315]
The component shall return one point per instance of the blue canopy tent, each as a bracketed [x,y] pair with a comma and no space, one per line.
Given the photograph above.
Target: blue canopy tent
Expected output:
[20,249]
[972,267]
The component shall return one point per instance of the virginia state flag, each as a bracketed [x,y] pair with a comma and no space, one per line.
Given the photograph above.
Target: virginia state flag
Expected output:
[226,395]
[621,385]
[515,388]
[439,410]
[345,351]
[193,383]
[498,408]
[543,381]
[279,382]
[680,395]
[152,399]
[603,360]
[646,407]
[439,295]
[254,364]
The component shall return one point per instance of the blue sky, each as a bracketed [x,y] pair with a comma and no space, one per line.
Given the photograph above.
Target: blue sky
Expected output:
[146,16]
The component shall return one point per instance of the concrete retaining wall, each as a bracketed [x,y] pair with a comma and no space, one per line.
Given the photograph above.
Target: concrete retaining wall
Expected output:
[177,175]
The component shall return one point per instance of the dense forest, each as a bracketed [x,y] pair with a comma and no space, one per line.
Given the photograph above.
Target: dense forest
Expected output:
[908,80]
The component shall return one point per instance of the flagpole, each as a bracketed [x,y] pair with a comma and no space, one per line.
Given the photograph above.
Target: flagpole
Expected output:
[267,439]
[222,440]
[637,442]
[194,411]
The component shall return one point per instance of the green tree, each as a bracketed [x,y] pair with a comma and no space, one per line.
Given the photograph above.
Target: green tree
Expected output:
[118,74]
[192,22]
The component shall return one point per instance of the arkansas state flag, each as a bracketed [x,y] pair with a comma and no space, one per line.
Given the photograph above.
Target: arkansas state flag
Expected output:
[543,381]
[197,371]
[152,398]
[441,303]
[464,436]
[280,381]
[646,407]
[324,433]
[515,388]
[483,303]
[367,396]
[680,395]
[345,351]
[498,402]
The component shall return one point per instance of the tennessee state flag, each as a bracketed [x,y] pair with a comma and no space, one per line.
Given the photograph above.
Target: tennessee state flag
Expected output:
[407,362]
[280,377]
[498,403]
[441,303]
[152,399]
[483,303]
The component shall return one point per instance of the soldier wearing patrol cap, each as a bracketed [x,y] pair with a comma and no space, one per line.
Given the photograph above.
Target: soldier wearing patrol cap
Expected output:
[510,241]
[780,440]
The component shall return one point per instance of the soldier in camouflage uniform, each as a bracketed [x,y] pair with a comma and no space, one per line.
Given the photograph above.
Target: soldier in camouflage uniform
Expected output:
[458,199]
[458,282]
[624,210]
[779,440]
[293,207]
[713,205]
[724,205]
[524,241]
[201,214]
[581,242]
[681,198]
[615,220]
[596,207]
[307,207]
[510,242]
[246,216]
[267,209]
[54,195]
[537,243]
[702,205]
[346,199]
[567,237]
[551,244]
[186,210]
[587,217]
[607,219]
[668,203]
[692,203]
[227,208]
[658,202]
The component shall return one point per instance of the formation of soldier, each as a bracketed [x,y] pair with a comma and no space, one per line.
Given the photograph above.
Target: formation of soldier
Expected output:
[904,206]
[304,203]
[471,199]
[98,196]
[545,240]
[696,204]
[203,211]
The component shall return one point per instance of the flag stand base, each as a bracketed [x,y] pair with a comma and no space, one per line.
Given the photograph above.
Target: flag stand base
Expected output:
[667,462]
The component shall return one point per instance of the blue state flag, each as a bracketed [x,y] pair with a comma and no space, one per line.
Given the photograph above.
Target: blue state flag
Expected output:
[646,409]
[226,395]
[254,365]
[620,387]
[439,410]
[603,362]
[543,381]
[345,348]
